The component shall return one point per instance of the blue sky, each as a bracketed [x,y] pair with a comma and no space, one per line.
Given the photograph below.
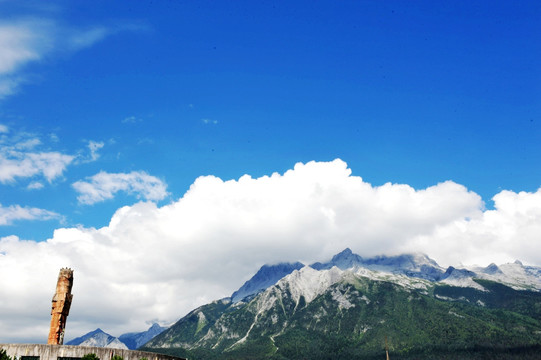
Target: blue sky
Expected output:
[154,95]
[407,93]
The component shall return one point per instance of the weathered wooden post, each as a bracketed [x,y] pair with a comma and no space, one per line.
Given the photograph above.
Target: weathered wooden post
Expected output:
[61,307]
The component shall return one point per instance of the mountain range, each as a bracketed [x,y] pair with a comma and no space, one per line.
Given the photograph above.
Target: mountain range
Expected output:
[353,307]
[129,341]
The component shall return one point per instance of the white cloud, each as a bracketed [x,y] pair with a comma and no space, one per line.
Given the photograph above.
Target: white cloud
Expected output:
[27,144]
[30,39]
[104,186]
[510,231]
[77,39]
[22,165]
[54,138]
[8,86]
[35,186]
[161,262]
[80,39]
[94,146]
[21,158]
[22,42]
[131,120]
[15,212]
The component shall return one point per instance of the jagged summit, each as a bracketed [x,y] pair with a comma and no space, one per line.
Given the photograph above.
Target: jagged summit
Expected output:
[80,339]
[415,265]
[343,260]
[454,273]
[267,276]
[493,269]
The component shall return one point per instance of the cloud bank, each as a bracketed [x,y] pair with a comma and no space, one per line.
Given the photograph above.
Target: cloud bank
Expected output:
[155,262]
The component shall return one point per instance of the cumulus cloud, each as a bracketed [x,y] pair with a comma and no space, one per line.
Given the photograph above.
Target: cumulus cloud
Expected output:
[510,231]
[13,213]
[104,186]
[155,262]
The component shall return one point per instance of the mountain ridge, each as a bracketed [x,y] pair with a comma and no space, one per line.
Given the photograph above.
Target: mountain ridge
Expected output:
[131,341]
[324,305]
[98,338]
[413,265]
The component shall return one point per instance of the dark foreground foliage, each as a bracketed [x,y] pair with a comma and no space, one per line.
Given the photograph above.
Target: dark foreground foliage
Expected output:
[477,353]
[4,355]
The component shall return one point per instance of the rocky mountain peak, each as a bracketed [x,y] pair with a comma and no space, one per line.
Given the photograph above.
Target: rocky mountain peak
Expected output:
[266,276]
[343,260]
[492,269]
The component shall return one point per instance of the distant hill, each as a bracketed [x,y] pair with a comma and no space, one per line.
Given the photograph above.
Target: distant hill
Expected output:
[98,338]
[135,340]
[348,307]
[129,341]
